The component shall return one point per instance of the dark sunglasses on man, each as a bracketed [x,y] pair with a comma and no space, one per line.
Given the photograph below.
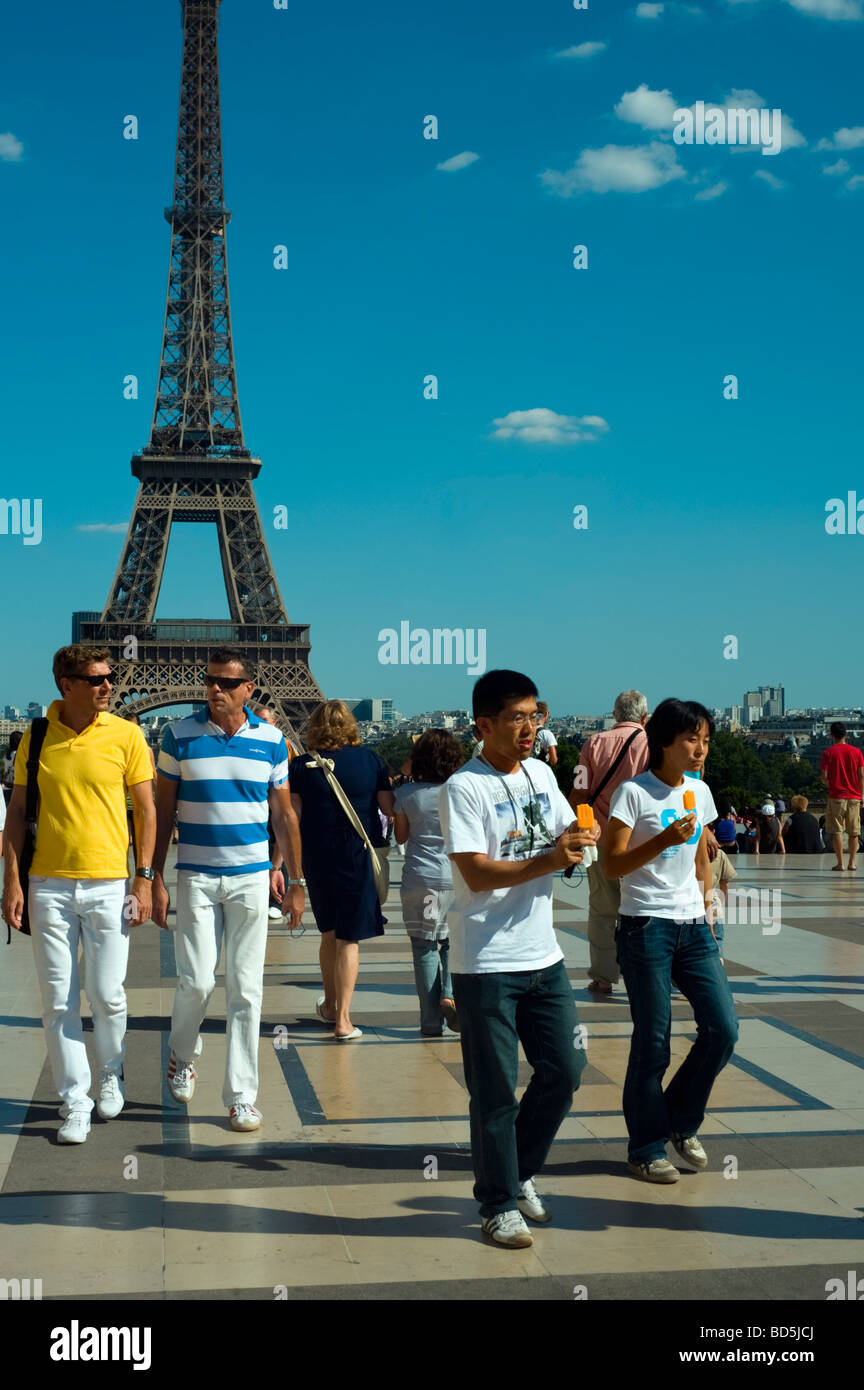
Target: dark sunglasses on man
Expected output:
[225,682]
[110,677]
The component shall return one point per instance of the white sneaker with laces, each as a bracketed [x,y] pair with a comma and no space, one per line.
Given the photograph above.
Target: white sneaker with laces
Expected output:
[243,1117]
[508,1228]
[75,1128]
[112,1094]
[181,1079]
[530,1203]
[690,1150]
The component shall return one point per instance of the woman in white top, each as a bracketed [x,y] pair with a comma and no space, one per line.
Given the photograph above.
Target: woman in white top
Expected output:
[657,846]
[427,883]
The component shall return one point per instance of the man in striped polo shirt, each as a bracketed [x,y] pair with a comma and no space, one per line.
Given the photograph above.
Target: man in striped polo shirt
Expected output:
[221,769]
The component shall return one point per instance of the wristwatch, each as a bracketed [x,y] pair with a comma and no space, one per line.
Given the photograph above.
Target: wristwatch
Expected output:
[296,882]
[145,873]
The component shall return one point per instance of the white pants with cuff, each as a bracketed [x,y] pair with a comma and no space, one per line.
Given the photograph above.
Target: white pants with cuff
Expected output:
[211,907]
[64,912]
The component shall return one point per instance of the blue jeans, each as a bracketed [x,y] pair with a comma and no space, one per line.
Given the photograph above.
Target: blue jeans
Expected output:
[653,952]
[510,1139]
[432,978]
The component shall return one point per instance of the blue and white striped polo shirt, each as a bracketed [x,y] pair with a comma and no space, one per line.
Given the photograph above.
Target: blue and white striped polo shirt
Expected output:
[224,785]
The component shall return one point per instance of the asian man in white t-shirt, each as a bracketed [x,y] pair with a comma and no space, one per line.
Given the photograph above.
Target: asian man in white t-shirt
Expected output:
[657,845]
[508,829]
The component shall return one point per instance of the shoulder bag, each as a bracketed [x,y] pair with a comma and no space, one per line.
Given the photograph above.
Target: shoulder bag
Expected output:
[378,857]
[38,730]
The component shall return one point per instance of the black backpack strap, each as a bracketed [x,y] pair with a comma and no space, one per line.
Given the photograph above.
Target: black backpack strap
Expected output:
[38,730]
[614,768]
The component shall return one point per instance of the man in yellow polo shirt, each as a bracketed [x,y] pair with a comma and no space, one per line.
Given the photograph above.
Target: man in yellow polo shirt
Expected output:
[78,879]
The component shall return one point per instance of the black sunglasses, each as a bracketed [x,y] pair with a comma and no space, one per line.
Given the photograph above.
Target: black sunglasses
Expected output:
[225,682]
[110,677]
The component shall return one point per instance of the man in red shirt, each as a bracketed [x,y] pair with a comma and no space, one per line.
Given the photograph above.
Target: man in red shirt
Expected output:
[598,756]
[842,771]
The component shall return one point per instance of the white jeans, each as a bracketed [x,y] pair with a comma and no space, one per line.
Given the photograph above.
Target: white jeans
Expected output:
[209,907]
[64,911]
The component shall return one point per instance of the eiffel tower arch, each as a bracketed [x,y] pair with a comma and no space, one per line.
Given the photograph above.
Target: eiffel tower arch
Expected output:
[195,466]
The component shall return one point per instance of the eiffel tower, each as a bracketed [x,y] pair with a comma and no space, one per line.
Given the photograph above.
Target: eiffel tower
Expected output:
[196,466]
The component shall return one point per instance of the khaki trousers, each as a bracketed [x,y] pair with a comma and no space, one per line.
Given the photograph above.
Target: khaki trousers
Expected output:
[604,900]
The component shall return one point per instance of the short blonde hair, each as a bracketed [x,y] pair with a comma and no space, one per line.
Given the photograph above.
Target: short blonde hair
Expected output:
[332,725]
[800,803]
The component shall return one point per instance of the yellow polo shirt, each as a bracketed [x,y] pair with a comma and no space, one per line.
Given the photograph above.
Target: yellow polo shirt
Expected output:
[82,830]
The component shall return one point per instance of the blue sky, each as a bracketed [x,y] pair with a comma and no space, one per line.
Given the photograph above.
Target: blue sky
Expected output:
[706,516]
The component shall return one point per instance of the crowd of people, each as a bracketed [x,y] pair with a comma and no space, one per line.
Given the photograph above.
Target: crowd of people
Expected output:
[257,822]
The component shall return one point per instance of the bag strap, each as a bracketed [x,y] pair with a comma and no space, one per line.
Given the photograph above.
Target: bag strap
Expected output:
[615,766]
[38,730]
[326,767]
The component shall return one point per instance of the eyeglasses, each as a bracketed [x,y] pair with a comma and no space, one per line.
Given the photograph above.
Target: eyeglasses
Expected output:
[517,720]
[225,682]
[110,677]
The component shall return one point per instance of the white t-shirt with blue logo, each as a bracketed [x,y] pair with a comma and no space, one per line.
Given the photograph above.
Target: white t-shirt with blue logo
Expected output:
[667,886]
[222,797]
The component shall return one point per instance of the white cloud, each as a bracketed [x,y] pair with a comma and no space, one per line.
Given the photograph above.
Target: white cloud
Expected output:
[616,169]
[458,161]
[542,426]
[846,138]
[582,50]
[118,526]
[829,9]
[856,181]
[715,191]
[767,177]
[841,167]
[11,148]
[646,11]
[649,109]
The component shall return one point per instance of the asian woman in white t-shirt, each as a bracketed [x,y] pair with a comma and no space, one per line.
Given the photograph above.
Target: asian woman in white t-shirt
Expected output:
[656,845]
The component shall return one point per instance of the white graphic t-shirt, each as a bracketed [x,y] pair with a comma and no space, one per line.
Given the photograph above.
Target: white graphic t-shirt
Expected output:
[504,816]
[667,886]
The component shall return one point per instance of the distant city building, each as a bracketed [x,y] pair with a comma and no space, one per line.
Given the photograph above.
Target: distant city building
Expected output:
[11,712]
[35,711]
[372,711]
[8,726]
[768,702]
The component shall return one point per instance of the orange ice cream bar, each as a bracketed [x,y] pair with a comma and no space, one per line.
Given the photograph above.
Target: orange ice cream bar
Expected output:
[585,816]
[689,801]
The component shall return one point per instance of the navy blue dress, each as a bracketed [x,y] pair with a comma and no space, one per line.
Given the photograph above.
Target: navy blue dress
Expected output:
[336,862]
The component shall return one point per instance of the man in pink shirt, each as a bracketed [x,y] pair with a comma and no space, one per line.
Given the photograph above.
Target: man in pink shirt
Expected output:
[842,771]
[621,751]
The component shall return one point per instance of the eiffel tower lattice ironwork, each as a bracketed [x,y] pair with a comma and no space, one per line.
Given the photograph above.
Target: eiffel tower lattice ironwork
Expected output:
[196,467]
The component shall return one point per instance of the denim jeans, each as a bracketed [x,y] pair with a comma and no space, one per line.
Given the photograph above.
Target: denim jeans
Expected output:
[653,952]
[510,1139]
[432,978]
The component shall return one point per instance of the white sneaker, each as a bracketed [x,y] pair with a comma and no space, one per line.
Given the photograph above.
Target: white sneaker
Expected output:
[112,1094]
[75,1128]
[242,1116]
[274,914]
[690,1150]
[508,1228]
[530,1204]
[658,1170]
[181,1079]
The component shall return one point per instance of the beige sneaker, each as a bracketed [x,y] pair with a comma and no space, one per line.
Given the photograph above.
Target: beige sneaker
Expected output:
[690,1150]
[507,1228]
[658,1170]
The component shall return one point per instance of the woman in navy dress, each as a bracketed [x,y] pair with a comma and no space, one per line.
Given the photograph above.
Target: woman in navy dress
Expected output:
[336,863]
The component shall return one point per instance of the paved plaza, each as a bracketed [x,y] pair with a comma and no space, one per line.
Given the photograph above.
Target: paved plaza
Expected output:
[359,1184]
